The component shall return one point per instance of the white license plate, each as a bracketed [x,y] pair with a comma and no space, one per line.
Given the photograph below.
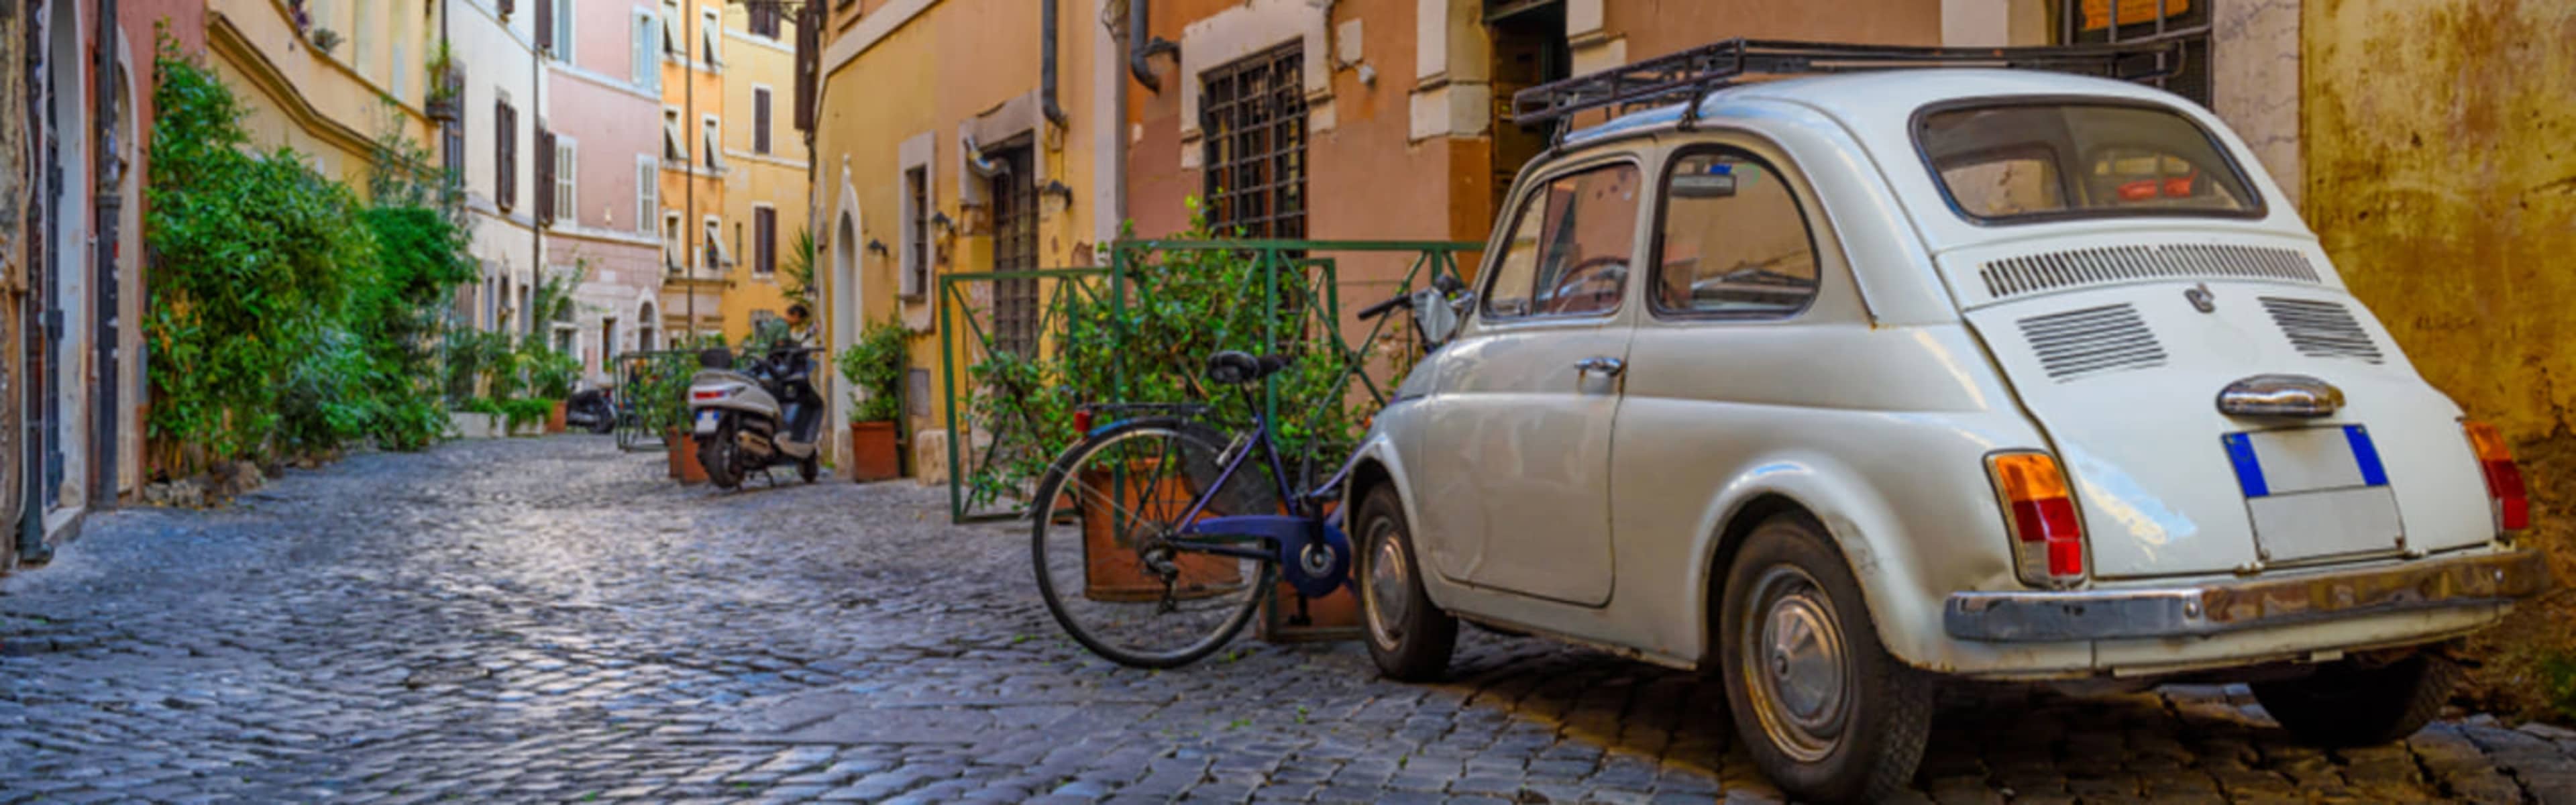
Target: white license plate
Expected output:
[2316,492]
[706,422]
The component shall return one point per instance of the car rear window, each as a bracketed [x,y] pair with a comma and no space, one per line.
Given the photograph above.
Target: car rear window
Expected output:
[2021,161]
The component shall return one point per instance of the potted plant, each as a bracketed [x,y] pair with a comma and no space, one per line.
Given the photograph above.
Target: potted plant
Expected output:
[874,369]
[446,85]
[551,375]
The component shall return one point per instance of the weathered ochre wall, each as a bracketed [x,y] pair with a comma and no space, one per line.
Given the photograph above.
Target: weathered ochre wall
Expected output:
[2441,174]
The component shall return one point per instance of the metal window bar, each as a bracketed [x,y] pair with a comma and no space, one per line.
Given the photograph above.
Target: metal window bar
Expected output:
[1015,252]
[1689,75]
[2183,32]
[1253,129]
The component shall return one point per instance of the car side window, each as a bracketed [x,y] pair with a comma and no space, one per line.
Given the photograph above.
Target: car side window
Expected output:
[1570,247]
[1733,241]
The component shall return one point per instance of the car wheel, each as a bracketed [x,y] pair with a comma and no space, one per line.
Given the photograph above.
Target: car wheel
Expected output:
[2348,704]
[1821,707]
[1408,636]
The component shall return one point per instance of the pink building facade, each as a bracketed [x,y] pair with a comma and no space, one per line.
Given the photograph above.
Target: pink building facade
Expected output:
[603,108]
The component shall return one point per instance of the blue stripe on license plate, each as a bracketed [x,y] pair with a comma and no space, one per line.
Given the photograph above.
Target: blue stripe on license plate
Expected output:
[2249,471]
[2366,454]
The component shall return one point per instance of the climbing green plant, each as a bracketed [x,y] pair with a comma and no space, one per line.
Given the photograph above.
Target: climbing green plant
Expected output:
[255,252]
[286,317]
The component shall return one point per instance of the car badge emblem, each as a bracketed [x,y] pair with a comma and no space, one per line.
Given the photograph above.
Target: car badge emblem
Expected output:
[2201,299]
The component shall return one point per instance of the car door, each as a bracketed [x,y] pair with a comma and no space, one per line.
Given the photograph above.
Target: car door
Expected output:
[1528,395]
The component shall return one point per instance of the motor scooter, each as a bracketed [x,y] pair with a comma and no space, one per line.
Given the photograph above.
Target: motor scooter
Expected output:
[764,415]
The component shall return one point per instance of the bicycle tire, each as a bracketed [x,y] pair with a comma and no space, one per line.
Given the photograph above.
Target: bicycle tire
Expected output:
[1077,617]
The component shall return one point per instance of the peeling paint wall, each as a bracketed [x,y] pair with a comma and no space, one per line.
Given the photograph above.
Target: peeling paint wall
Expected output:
[2440,140]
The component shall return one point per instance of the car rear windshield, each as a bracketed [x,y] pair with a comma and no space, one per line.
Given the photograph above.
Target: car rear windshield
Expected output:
[2012,162]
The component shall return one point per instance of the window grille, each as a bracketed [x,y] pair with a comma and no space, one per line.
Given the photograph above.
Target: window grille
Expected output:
[1015,248]
[1253,122]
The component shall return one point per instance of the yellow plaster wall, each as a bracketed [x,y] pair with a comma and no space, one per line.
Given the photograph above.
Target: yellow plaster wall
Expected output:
[2441,177]
[777,180]
[912,81]
[314,102]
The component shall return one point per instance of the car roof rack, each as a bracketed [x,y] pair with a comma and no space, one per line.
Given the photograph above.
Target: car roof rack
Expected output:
[1690,75]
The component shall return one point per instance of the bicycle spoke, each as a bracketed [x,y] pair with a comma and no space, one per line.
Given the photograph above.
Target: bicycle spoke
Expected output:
[1110,562]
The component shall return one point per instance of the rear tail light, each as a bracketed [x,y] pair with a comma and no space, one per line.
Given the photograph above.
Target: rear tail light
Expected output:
[707,395]
[2504,479]
[2047,537]
[1082,422]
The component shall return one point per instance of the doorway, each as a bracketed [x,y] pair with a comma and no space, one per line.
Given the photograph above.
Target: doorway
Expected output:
[1529,49]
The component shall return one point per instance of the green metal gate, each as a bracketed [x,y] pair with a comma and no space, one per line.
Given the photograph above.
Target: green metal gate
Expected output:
[1106,335]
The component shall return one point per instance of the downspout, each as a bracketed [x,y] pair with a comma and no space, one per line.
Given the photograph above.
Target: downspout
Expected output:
[1047,59]
[1142,46]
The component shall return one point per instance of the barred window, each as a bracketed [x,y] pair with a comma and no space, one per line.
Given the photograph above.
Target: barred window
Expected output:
[1015,248]
[1253,118]
[2184,21]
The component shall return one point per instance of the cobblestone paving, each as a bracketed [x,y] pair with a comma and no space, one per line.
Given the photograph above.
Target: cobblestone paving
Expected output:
[550,620]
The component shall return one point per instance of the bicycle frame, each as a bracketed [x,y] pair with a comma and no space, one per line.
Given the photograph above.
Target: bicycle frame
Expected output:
[1224,535]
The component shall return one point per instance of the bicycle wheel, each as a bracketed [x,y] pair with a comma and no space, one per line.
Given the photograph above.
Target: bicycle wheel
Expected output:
[1103,536]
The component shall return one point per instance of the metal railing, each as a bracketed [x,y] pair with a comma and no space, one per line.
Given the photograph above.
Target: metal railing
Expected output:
[1007,414]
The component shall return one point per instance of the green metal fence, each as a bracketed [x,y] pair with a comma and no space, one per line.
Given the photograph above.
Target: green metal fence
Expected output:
[1127,332]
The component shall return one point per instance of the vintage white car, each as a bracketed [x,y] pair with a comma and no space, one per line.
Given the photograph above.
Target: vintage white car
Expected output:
[1838,385]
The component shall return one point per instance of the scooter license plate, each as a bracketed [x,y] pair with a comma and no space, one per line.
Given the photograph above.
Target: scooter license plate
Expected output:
[706,422]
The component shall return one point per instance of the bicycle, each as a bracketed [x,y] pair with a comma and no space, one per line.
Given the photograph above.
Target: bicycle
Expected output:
[1153,545]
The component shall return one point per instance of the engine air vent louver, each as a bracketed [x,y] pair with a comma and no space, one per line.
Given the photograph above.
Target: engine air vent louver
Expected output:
[2081,343]
[2322,329]
[2034,273]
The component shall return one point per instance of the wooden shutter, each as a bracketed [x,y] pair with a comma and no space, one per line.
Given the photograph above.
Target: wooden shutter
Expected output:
[545,28]
[764,234]
[809,56]
[760,121]
[545,189]
[505,153]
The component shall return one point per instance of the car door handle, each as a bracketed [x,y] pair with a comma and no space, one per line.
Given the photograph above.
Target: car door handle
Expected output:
[1604,365]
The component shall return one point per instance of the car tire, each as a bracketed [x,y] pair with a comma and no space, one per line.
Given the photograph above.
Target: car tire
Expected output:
[2347,704]
[1410,637]
[1823,709]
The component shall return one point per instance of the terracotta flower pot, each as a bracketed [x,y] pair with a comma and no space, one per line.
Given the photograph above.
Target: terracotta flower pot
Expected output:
[1332,617]
[684,457]
[874,455]
[555,418]
[1111,568]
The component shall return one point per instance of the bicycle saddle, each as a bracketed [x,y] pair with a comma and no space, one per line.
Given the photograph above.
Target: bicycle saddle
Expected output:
[1233,368]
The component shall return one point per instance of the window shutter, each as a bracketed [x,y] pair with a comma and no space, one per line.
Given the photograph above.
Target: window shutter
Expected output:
[545,189]
[809,45]
[545,24]
[648,194]
[648,68]
[505,155]
[760,121]
[764,234]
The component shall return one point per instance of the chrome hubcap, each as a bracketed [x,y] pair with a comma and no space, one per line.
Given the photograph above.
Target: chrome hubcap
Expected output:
[1386,579]
[1796,665]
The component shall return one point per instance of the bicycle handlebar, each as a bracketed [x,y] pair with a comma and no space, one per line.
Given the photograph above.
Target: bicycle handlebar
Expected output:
[1380,309]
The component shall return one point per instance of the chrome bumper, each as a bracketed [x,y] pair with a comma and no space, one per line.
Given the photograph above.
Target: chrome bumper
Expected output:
[2207,609]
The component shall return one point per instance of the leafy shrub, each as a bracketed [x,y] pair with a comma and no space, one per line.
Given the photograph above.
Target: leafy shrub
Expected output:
[284,316]
[874,366]
[1182,307]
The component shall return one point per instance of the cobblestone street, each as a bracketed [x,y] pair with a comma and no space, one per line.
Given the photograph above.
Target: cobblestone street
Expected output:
[552,620]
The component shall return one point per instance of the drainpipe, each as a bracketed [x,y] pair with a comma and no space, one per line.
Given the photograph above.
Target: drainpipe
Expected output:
[1047,58]
[1142,45]
[983,168]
